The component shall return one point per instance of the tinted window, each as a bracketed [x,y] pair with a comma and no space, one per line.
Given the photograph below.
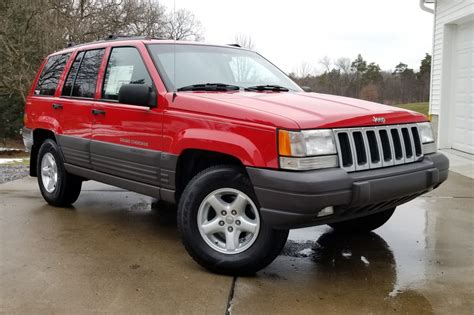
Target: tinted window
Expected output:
[49,78]
[83,74]
[125,67]
[72,74]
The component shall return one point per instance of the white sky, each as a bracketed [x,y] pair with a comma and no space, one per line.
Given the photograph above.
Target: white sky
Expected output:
[291,32]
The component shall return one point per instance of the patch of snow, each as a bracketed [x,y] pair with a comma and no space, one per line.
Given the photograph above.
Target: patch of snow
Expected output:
[8,161]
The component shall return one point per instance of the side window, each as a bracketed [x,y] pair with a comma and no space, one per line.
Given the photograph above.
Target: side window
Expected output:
[67,88]
[82,78]
[49,78]
[125,66]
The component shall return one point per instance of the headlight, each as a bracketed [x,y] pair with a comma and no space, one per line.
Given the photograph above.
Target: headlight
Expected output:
[426,133]
[307,149]
[427,138]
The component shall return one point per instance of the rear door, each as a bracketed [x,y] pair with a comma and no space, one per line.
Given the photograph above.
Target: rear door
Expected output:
[77,97]
[126,138]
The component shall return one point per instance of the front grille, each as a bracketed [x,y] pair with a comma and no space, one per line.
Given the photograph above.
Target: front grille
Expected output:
[374,147]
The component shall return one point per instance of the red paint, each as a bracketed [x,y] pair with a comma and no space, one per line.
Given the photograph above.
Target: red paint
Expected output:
[241,124]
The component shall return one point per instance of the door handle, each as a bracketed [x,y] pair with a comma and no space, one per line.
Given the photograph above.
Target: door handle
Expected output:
[98,112]
[57,106]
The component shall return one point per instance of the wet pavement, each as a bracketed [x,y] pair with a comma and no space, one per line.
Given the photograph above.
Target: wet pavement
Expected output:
[115,252]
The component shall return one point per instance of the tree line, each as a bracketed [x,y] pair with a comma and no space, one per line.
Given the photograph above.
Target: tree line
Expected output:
[360,79]
[32,29]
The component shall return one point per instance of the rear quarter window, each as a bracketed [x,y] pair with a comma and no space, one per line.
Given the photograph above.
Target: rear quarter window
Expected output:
[49,78]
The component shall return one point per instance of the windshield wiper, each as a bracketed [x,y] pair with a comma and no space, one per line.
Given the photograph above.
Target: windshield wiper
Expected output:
[268,87]
[210,87]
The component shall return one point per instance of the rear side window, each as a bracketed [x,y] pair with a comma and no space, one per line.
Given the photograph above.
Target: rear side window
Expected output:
[67,89]
[125,66]
[82,78]
[49,78]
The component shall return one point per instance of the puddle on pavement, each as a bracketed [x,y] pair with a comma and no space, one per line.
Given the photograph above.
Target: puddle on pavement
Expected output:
[396,250]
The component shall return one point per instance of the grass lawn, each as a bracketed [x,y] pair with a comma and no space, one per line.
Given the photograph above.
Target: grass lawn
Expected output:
[417,107]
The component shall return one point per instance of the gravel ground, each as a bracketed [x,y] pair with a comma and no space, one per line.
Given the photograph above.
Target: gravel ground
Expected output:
[12,172]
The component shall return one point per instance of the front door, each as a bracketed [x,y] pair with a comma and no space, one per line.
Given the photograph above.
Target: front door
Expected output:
[126,139]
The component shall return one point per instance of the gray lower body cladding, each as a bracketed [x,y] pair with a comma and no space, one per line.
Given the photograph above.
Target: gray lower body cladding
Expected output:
[149,172]
[293,199]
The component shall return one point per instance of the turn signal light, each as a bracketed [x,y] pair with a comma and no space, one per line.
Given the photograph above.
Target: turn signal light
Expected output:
[284,143]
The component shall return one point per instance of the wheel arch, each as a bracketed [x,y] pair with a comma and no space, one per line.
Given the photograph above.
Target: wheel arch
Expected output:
[192,161]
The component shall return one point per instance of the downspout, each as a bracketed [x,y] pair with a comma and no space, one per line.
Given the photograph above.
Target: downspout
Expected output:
[425,8]
[432,11]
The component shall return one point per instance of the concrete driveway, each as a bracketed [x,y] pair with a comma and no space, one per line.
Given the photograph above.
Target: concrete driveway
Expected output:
[116,253]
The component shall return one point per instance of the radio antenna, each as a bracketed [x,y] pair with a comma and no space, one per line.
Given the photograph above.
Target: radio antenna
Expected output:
[174,49]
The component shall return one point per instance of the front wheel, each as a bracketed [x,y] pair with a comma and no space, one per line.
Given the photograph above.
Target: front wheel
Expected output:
[364,224]
[220,223]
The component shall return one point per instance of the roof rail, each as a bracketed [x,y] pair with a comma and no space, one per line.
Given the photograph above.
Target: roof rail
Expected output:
[124,37]
[234,45]
[112,37]
[117,36]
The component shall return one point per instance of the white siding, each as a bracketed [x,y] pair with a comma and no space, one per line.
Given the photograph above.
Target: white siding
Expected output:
[446,12]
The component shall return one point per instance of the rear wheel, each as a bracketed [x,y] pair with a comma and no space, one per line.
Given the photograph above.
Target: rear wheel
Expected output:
[58,187]
[364,224]
[219,219]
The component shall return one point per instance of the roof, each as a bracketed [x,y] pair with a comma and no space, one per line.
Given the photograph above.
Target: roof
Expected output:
[146,40]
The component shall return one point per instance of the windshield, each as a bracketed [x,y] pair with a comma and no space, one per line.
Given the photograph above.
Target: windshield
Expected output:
[195,64]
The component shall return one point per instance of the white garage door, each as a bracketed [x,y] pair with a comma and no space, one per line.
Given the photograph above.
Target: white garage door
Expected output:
[463,133]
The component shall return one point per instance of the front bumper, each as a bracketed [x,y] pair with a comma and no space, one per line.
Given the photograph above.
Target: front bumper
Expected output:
[293,199]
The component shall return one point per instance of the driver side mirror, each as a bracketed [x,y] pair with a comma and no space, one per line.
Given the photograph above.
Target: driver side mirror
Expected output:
[136,94]
[307,89]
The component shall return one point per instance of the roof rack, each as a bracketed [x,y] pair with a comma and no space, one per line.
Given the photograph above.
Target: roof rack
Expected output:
[130,37]
[112,37]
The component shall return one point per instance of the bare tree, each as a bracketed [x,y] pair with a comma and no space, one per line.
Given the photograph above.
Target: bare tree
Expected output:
[304,70]
[32,29]
[325,62]
[244,41]
[183,25]
[343,64]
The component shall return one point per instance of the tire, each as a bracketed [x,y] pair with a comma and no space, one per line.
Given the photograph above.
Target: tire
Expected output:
[364,224]
[232,249]
[58,187]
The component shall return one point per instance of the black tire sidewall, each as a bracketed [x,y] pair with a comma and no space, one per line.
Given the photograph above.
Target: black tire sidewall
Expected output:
[49,146]
[255,257]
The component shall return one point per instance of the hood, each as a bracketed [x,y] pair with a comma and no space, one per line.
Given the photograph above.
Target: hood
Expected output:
[314,110]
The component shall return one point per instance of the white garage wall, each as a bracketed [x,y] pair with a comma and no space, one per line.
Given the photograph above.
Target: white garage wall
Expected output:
[447,12]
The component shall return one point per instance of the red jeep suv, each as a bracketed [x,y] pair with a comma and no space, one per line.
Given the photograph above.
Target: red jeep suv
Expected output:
[242,150]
